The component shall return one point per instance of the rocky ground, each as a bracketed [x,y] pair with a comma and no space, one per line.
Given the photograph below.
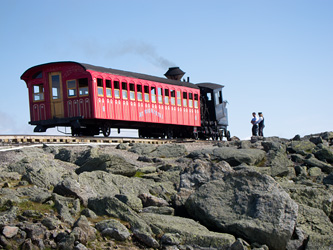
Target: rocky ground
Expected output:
[267,193]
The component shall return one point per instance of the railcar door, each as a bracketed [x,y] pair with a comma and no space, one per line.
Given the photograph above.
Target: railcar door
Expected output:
[56,99]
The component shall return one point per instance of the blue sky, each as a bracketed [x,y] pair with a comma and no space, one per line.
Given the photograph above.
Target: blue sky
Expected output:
[274,56]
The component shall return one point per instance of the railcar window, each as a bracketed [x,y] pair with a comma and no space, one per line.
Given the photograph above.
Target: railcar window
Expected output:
[139,92]
[100,89]
[83,87]
[38,92]
[124,90]
[116,89]
[108,88]
[146,89]
[159,95]
[173,95]
[153,94]
[184,99]
[132,91]
[166,96]
[71,88]
[209,96]
[56,87]
[190,100]
[218,97]
[196,97]
[179,98]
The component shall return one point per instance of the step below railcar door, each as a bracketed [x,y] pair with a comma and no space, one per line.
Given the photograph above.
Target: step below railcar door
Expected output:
[56,99]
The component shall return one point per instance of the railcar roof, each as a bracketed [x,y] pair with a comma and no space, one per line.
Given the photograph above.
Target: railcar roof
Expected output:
[210,85]
[124,73]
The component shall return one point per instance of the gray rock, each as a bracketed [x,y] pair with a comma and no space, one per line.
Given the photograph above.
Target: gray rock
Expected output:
[169,151]
[159,210]
[316,196]
[50,223]
[279,163]
[88,213]
[82,230]
[131,200]
[191,232]
[324,153]
[247,204]
[10,231]
[231,155]
[311,161]
[328,179]
[113,207]
[301,147]
[151,200]
[44,173]
[315,171]
[171,239]
[200,172]
[317,226]
[67,208]
[146,238]
[113,229]
[109,163]
[142,149]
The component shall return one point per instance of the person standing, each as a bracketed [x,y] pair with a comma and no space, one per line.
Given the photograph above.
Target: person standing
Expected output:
[254,122]
[261,124]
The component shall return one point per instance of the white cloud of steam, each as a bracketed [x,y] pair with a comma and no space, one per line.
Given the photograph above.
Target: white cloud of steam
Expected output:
[142,49]
[128,47]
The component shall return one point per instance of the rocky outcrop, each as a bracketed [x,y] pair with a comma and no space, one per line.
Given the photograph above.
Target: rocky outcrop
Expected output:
[246,204]
[266,193]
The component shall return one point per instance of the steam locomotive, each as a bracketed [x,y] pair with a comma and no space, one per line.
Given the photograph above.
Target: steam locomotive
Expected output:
[92,100]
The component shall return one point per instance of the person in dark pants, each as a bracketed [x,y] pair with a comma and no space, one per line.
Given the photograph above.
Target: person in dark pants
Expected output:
[254,122]
[261,124]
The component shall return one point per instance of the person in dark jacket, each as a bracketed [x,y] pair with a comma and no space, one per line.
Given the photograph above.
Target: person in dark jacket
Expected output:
[261,124]
[254,122]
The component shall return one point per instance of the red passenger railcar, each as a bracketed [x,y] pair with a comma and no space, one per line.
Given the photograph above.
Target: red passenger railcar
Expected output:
[90,99]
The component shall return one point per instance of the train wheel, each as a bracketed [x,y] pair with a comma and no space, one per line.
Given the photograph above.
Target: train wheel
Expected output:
[106,131]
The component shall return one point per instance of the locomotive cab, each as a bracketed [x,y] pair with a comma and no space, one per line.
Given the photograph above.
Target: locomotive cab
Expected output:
[214,113]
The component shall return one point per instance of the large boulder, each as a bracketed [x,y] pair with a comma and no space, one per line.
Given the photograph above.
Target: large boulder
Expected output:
[247,204]
[100,184]
[200,172]
[113,207]
[42,172]
[161,151]
[233,156]
[109,163]
[301,147]
[190,231]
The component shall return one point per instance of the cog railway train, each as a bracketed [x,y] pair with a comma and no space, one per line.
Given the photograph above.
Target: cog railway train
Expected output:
[91,99]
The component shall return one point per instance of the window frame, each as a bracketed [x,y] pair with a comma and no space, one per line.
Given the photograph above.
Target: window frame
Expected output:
[108,88]
[132,91]
[153,94]
[85,87]
[173,97]
[179,98]
[116,89]
[40,93]
[146,93]
[166,96]
[184,99]
[196,100]
[100,87]
[124,90]
[71,88]
[139,91]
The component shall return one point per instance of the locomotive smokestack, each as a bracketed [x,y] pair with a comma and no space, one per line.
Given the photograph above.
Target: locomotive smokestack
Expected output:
[174,73]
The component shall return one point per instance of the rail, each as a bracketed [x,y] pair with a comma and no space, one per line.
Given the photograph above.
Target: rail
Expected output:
[40,139]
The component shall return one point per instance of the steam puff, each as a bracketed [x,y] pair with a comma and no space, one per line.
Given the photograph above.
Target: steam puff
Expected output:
[142,49]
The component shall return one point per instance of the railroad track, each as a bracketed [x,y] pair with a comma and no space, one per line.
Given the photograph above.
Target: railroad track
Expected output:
[17,140]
